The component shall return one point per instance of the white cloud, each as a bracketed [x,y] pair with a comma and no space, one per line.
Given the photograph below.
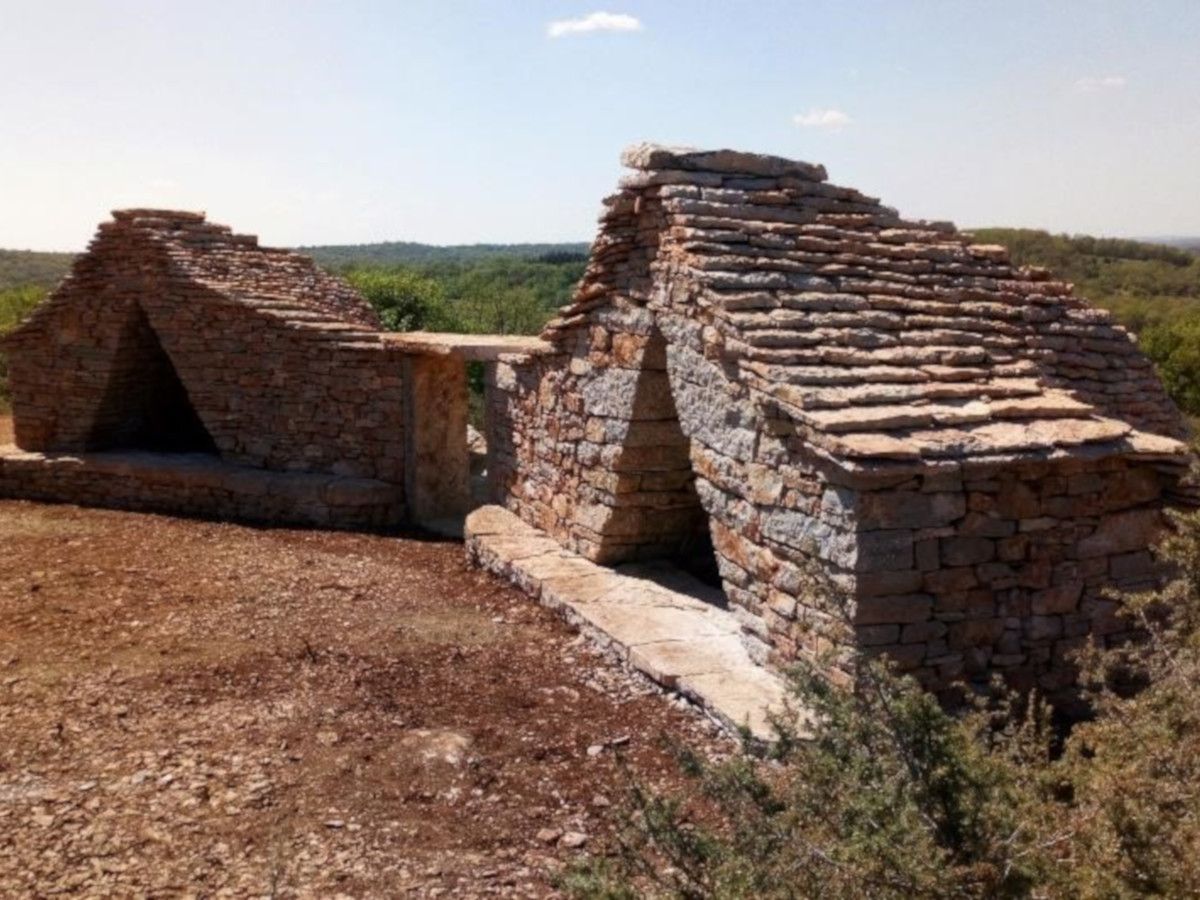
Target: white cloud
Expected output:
[828,119]
[1091,84]
[597,21]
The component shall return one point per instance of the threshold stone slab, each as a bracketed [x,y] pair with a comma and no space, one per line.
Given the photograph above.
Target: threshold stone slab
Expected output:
[671,635]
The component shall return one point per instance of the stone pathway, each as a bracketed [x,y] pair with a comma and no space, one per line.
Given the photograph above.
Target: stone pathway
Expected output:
[652,615]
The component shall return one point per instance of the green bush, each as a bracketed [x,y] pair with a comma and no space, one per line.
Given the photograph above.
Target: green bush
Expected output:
[1135,769]
[488,296]
[404,299]
[1174,347]
[15,304]
[893,797]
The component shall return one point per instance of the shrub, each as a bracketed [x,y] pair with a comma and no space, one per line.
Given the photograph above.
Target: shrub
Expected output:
[15,304]
[404,299]
[895,797]
[891,797]
[1135,768]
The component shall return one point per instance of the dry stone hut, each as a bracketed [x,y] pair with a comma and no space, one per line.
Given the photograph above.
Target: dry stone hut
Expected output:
[844,411]
[850,404]
[181,367]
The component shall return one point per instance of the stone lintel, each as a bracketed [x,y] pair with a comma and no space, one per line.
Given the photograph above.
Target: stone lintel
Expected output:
[467,347]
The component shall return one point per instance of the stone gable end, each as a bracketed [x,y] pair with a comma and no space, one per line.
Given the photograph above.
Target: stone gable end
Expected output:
[895,439]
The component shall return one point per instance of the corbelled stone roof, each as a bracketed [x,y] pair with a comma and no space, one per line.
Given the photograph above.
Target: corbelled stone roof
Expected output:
[236,266]
[877,336]
[189,254]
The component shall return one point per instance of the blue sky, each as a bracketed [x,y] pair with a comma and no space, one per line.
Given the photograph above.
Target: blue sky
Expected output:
[455,122]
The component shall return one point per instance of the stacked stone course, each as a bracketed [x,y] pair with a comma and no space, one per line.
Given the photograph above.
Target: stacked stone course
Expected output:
[284,366]
[880,422]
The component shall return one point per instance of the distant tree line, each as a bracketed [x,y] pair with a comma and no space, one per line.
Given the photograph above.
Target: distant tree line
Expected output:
[25,267]
[392,253]
[501,295]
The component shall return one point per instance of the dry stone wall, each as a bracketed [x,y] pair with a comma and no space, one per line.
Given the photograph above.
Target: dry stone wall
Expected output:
[282,367]
[590,448]
[900,442]
[200,485]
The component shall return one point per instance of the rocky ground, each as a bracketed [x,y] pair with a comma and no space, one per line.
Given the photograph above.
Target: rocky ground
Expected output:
[201,709]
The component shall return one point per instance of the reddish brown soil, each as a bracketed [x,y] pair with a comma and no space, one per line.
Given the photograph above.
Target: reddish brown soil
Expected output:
[202,708]
[6,432]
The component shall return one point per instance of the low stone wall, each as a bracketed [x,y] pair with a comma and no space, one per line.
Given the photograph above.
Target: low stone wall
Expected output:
[199,485]
[284,365]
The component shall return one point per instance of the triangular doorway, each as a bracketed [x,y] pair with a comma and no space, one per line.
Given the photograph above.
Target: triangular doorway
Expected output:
[145,405]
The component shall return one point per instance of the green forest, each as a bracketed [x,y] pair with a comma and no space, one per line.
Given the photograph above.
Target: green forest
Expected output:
[1154,289]
[393,253]
[489,295]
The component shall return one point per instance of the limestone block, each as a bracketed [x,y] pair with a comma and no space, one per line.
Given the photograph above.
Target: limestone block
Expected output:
[892,610]
[907,509]
[975,633]
[1122,532]
[1061,598]
[965,551]
[877,551]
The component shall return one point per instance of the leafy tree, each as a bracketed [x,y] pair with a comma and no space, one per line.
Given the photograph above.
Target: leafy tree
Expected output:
[1174,346]
[15,304]
[487,296]
[404,299]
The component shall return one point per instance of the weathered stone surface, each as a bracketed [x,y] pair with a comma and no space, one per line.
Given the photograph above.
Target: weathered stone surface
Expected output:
[966,551]
[173,334]
[199,485]
[1122,532]
[878,416]
[675,638]
[1062,598]
[908,509]
[897,609]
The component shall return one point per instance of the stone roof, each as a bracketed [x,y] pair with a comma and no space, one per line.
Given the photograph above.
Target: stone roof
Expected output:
[236,266]
[876,336]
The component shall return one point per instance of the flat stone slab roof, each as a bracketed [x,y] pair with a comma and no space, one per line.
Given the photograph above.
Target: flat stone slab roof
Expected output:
[652,615]
[471,347]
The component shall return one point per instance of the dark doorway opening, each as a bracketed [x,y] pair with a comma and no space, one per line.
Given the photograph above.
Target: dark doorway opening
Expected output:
[657,510]
[697,557]
[145,405]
